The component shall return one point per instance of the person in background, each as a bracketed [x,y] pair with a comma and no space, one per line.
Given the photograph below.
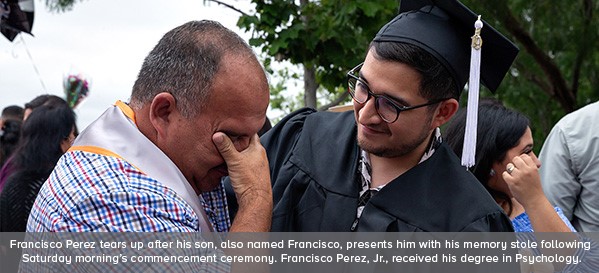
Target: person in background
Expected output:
[45,99]
[507,166]
[13,112]
[570,172]
[10,124]
[383,167]
[50,100]
[46,136]
[9,137]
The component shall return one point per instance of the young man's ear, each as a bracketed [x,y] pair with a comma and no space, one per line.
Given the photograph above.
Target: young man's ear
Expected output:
[162,113]
[445,112]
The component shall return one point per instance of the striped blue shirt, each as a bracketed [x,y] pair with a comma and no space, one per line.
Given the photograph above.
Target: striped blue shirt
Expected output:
[92,192]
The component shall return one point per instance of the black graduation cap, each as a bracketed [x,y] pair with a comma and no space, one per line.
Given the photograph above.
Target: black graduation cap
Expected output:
[443,28]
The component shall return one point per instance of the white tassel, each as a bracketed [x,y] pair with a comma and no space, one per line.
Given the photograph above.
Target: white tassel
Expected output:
[469,149]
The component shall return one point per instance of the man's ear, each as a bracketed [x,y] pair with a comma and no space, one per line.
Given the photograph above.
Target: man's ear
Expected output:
[445,111]
[163,111]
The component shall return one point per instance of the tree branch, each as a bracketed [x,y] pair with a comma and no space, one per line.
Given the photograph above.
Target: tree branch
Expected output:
[585,43]
[227,5]
[335,102]
[559,88]
[533,78]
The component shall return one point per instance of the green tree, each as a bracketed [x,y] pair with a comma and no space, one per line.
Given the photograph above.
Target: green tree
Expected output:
[555,73]
[326,38]
[557,69]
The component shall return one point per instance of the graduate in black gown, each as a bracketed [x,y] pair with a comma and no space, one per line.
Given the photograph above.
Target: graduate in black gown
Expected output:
[383,166]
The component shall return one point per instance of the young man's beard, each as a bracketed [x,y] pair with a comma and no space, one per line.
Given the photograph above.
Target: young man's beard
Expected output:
[391,150]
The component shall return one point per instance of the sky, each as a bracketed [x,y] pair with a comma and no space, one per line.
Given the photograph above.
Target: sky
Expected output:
[103,40]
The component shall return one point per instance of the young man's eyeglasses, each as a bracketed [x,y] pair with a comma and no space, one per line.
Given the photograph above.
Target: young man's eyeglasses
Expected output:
[386,107]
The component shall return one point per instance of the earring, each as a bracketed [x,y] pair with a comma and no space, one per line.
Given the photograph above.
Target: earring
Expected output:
[492,172]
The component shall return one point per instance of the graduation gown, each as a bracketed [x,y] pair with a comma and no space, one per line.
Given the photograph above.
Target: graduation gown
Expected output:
[314,160]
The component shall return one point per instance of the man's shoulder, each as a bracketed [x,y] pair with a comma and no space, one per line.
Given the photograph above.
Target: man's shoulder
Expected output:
[458,185]
[321,125]
[308,128]
[576,130]
[80,175]
[332,118]
[89,191]
[458,176]
[310,117]
[580,117]
[88,166]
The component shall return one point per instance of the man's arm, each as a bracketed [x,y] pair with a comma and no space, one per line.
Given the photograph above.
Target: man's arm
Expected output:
[558,177]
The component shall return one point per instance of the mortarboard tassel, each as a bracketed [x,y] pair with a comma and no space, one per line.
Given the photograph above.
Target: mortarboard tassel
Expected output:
[469,149]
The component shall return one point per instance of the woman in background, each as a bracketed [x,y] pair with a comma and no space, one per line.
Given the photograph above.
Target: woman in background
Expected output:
[8,167]
[46,135]
[507,166]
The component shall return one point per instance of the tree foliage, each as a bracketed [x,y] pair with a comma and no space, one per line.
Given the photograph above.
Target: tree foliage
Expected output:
[557,69]
[556,72]
[60,5]
[326,37]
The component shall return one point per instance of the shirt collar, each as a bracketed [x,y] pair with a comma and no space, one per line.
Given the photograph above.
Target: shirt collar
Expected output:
[365,168]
